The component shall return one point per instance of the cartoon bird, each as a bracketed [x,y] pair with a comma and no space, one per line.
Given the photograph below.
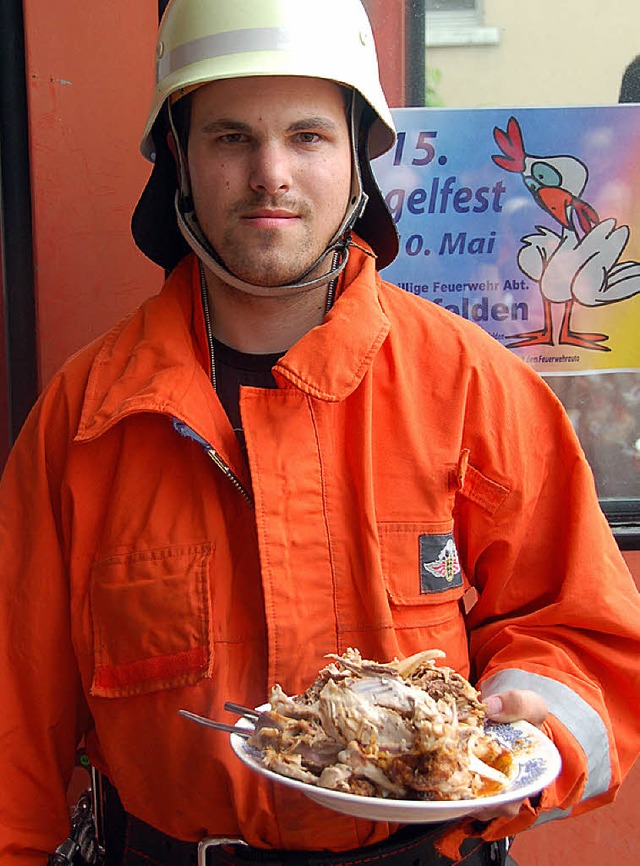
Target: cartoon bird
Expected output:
[580,264]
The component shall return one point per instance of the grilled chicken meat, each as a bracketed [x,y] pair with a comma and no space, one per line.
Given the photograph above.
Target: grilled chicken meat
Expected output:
[410,729]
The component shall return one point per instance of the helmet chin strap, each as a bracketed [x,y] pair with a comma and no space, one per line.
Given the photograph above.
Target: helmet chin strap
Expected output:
[338,247]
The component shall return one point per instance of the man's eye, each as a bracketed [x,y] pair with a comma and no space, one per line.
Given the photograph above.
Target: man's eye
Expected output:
[232,138]
[308,137]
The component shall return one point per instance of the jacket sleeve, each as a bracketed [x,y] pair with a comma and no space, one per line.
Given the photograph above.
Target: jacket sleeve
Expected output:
[42,711]
[558,611]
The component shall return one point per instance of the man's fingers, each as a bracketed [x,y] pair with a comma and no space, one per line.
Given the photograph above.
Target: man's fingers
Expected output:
[514,705]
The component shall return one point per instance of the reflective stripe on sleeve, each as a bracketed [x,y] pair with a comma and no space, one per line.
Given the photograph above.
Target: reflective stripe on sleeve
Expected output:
[553,815]
[575,714]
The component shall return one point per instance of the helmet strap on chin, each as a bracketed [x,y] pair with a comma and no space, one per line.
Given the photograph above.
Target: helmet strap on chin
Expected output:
[338,247]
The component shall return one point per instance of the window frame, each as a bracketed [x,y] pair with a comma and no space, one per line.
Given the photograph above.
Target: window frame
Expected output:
[455,27]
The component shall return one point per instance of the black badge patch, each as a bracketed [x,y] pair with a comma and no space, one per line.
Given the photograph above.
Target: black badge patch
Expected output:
[439,563]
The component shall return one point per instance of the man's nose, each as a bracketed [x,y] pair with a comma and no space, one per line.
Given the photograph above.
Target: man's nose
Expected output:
[270,168]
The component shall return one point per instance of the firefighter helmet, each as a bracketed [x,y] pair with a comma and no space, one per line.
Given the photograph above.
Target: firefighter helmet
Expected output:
[201,41]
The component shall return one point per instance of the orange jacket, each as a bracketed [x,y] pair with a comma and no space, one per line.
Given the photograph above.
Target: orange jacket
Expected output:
[138,578]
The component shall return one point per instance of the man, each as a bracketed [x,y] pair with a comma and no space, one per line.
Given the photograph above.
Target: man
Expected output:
[255,469]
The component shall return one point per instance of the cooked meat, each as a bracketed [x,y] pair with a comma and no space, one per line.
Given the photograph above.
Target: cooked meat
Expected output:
[288,765]
[366,766]
[408,729]
[347,715]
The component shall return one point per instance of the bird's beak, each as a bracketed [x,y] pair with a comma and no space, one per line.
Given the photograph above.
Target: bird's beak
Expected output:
[558,202]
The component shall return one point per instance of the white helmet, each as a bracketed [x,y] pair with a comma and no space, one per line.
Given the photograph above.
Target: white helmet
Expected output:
[200,41]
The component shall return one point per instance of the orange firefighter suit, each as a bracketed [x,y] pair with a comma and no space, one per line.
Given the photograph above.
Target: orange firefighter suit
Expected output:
[148,567]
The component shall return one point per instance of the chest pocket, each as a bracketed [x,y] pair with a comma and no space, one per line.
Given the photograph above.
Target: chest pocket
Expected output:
[151,617]
[425,585]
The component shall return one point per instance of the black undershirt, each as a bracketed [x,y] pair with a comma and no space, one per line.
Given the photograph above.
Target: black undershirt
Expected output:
[234,368]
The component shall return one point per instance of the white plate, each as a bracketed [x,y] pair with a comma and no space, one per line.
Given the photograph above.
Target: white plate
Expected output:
[536,759]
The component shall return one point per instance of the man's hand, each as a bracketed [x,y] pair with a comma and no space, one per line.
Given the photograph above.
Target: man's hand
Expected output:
[511,707]
[515,705]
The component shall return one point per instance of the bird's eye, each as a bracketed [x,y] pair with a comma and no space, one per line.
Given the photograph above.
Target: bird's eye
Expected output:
[546,174]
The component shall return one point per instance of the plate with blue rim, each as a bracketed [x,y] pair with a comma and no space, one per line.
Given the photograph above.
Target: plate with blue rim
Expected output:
[535,764]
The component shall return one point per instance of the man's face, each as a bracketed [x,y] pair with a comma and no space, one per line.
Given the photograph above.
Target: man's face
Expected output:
[270,167]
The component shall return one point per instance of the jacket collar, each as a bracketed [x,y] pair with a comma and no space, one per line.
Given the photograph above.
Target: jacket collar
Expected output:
[331,360]
[153,361]
[156,361]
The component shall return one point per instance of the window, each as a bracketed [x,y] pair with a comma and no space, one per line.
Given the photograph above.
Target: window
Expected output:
[453,6]
[605,412]
[457,22]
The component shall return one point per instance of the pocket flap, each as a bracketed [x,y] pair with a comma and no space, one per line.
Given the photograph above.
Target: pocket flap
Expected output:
[420,563]
[151,620]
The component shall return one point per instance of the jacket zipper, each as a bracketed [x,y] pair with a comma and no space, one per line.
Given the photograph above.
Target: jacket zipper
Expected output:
[186,431]
[226,470]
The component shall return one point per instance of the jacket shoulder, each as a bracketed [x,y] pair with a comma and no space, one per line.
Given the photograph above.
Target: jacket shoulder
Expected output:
[462,356]
[435,323]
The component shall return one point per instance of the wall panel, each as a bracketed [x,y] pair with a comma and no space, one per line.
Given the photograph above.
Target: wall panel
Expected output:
[90,74]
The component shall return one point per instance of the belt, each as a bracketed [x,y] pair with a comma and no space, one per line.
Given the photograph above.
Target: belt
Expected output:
[130,841]
[410,846]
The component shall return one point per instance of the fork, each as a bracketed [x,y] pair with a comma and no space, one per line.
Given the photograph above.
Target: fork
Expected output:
[244,711]
[218,726]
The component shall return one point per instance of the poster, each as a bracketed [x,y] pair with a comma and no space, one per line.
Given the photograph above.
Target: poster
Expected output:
[527,222]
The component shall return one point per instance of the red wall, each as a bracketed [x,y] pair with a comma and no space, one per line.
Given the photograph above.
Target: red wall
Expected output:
[90,76]
[388,22]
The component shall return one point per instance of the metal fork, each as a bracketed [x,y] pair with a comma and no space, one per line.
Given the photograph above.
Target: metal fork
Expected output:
[218,726]
[243,711]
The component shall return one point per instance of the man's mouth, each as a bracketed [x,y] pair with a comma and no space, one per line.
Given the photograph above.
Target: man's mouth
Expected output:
[269,217]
